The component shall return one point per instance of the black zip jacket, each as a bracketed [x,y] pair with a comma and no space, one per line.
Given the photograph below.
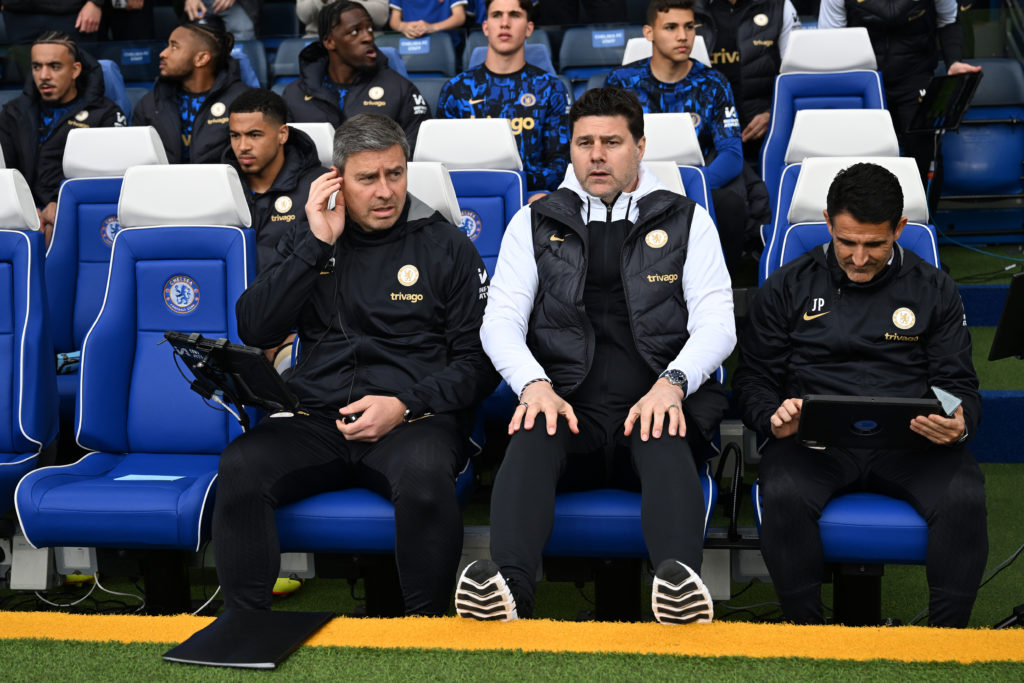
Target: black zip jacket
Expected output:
[813,331]
[381,90]
[394,312]
[280,209]
[159,109]
[43,165]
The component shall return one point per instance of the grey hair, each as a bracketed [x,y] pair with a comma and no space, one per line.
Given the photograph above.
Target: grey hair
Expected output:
[367,133]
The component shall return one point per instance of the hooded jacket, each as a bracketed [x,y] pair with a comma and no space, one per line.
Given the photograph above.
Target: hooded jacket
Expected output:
[676,286]
[43,164]
[159,109]
[813,331]
[380,90]
[282,208]
[390,312]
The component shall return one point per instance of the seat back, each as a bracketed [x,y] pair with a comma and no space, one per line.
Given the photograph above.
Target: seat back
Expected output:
[641,48]
[430,88]
[322,134]
[586,51]
[486,173]
[672,137]
[828,50]
[805,226]
[256,53]
[285,66]
[180,262]
[114,89]
[984,157]
[86,223]
[138,60]
[432,55]
[28,385]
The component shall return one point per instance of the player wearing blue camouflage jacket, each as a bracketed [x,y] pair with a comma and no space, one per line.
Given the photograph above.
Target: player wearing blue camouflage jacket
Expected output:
[535,102]
[703,93]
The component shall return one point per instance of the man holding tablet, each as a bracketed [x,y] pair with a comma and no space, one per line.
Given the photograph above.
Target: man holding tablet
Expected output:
[861,316]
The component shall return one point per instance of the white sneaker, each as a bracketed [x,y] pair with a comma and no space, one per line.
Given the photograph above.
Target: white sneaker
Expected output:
[679,596]
[482,594]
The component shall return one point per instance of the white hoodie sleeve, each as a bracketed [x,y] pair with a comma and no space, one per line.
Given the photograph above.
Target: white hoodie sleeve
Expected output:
[707,289]
[509,304]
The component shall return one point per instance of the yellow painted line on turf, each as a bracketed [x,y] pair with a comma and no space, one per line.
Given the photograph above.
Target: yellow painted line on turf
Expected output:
[909,644]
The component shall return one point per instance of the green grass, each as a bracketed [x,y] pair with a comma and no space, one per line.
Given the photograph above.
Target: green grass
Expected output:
[27,660]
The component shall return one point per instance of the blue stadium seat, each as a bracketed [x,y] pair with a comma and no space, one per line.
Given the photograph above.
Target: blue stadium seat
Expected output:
[860,528]
[138,60]
[285,67]
[432,55]
[154,445]
[824,69]
[113,87]
[256,55]
[586,51]
[78,258]
[984,157]
[536,54]
[7,94]
[825,133]
[28,431]
[430,88]
[595,80]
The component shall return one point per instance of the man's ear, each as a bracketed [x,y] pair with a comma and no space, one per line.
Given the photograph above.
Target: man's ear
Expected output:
[201,59]
[828,222]
[899,228]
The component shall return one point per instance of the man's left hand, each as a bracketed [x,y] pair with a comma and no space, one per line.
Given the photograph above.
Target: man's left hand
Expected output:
[47,216]
[663,399]
[756,127]
[88,20]
[380,414]
[962,68]
[938,429]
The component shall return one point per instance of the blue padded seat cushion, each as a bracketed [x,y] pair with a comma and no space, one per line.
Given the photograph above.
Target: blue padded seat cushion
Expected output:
[871,528]
[84,504]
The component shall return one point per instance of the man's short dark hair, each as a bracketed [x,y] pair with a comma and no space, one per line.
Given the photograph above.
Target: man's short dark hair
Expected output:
[525,5]
[367,133]
[266,102]
[658,6]
[54,37]
[609,102]
[216,39]
[330,16]
[869,193]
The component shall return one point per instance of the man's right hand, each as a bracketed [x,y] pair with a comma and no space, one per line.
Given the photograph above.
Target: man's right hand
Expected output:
[786,419]
[327,225]
[539,398]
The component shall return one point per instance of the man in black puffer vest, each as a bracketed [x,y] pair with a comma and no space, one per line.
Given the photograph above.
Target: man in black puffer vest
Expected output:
[746,39]
[343,74]
[611,310]
[903,36]
[64,92]
[276,164]
[189,102]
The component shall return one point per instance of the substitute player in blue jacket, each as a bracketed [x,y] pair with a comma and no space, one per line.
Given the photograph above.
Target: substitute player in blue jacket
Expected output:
[505,86]
[672,82]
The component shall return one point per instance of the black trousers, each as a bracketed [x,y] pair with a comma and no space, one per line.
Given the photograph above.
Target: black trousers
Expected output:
[283,460]
[537,465]
[944,484]
[903,100]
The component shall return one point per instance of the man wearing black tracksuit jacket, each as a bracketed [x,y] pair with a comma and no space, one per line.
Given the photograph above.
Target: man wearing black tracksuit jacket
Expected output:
[343,74]
[387,298]
[861,316]
[276,175]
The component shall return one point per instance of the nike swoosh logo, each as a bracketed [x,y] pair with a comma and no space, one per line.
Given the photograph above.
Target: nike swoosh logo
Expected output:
[307,97]
[482,99]
[816,315]
[555,238]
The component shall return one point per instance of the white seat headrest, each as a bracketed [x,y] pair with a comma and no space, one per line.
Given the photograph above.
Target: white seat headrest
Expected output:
[840,133]
[322,134]
[672,137]
[17,208]
[828,49]
[3,164]
[469,143]
[816,175]
[182,194]
[668,173]
[641,48]
[103,152]
[430,183]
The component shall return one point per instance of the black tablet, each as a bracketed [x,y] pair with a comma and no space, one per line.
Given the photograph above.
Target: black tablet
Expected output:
[863,421]
[944,103]
[242,373]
